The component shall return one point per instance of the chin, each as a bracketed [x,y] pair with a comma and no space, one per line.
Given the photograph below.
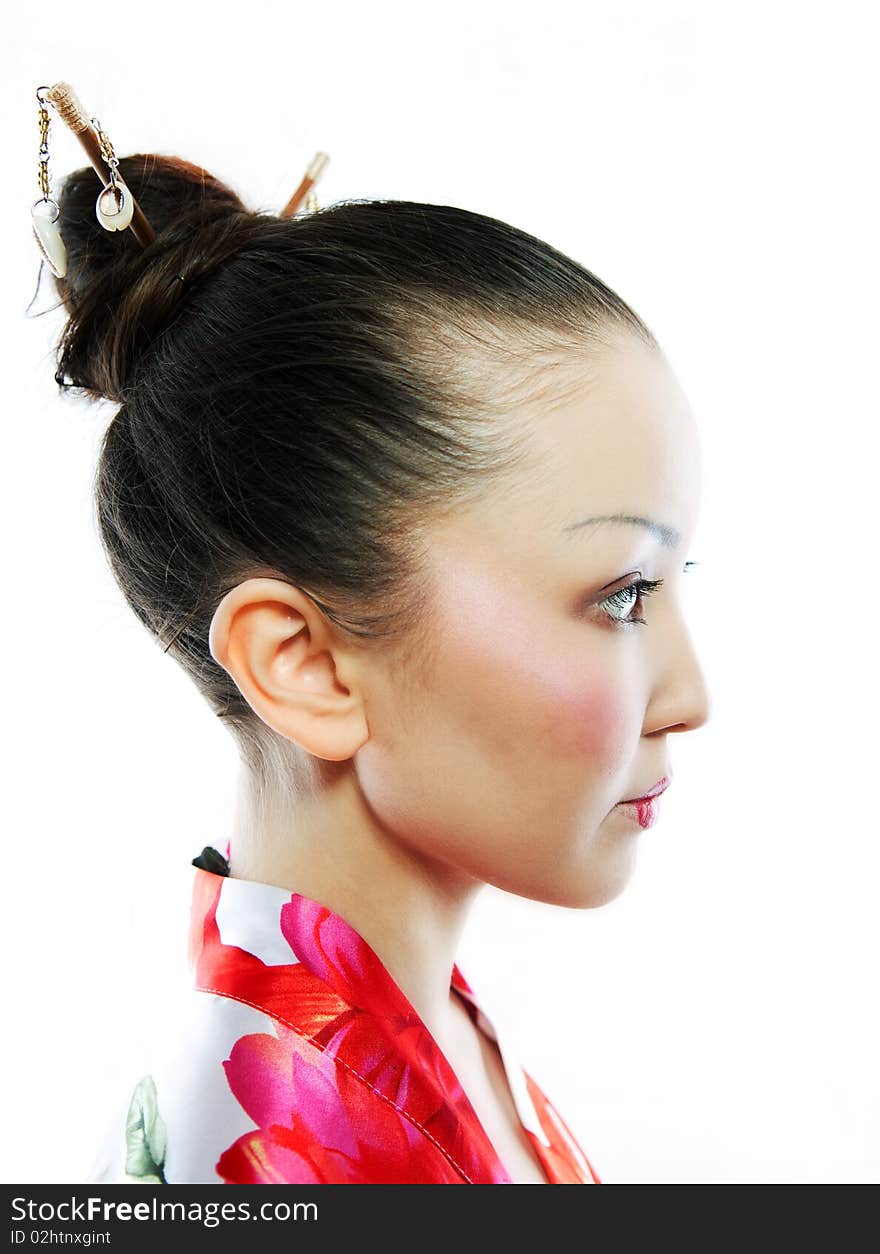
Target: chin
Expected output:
[602,895]
[596,885]
[587,897]
[601,882]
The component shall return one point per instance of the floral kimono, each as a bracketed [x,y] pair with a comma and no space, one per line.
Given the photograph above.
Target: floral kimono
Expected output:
[304,1063]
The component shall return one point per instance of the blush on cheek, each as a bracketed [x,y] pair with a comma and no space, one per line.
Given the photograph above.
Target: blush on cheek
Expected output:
[551,700]
[523,685]
[588,720]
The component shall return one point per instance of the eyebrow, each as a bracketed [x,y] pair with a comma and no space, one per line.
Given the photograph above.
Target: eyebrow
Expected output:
[668,536]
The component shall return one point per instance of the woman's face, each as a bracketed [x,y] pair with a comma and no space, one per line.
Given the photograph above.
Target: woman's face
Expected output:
[536,708]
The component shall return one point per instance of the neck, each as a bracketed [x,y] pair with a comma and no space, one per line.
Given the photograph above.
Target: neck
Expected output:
[326,843]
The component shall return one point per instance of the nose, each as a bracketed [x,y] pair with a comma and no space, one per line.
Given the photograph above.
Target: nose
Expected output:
[681,700]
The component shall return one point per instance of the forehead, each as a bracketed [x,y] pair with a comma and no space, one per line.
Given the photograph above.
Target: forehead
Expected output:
[610,433]
[616,436]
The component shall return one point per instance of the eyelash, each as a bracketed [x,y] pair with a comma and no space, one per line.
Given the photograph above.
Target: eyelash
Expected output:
[643,588]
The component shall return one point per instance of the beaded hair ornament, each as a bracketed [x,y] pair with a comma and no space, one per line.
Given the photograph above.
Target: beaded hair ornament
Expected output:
[116,207]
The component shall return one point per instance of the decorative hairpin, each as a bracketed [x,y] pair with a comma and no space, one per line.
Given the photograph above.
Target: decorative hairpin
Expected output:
[306,188]
[115,207]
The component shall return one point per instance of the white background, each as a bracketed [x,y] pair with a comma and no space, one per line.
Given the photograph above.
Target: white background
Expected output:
[714,163]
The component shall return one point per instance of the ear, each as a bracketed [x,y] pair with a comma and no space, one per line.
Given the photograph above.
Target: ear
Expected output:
[291,667]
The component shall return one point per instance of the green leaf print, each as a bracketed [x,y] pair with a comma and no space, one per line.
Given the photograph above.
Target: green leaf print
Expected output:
[145,1136]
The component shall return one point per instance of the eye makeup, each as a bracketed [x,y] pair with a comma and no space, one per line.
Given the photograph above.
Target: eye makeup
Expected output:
[641,588]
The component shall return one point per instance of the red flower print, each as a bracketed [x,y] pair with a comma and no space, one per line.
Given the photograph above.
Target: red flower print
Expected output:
[319,1123]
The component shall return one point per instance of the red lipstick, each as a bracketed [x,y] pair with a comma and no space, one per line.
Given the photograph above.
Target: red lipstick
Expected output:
[644,805]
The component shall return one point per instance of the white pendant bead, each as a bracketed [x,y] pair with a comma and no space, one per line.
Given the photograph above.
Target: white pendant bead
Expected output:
[114,211]
[50,244]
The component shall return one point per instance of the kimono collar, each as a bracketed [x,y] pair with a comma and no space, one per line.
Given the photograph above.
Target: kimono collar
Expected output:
[280,927]
[305,966]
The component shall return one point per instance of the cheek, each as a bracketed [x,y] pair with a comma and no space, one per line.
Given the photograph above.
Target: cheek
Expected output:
[531,682]
[569,707]
[588,718]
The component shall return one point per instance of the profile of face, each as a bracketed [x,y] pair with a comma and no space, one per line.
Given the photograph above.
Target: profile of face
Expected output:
[549,687]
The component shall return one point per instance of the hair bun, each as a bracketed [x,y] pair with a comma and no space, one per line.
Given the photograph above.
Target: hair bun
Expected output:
[119,296]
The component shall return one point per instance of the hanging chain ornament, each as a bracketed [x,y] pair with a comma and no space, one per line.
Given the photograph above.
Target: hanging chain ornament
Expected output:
[115,208]
[115,204]
[45,211]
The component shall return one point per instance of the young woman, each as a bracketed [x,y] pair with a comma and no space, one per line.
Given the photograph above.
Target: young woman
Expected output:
[408,494]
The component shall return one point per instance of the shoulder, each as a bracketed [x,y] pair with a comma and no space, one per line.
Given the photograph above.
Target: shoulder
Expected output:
[245,1097]
[175,1122]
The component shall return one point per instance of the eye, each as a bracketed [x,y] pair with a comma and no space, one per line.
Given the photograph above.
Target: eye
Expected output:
[626,599]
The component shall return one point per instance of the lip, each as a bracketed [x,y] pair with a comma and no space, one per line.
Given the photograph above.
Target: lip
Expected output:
[659,787]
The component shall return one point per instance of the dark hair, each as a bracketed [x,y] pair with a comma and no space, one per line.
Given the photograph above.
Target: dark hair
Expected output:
[299,397]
